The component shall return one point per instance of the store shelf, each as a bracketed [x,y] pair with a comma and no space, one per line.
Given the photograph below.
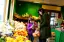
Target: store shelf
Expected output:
[18,17]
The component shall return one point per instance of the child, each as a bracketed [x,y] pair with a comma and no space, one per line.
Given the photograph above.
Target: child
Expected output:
[36,35]
[30,28]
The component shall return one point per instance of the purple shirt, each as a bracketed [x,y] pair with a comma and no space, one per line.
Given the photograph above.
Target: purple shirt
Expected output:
[29,28]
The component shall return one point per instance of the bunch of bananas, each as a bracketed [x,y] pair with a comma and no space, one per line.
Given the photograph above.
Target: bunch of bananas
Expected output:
[25,15]
[9,39]
[17,39]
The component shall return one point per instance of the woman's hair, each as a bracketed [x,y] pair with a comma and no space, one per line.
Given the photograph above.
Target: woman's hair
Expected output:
[41,10]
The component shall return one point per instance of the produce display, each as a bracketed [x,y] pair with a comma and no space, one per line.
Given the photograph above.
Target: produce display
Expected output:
[18,31]
[17,39]
[2,40]
[18,34]
[25,15]
[33,17]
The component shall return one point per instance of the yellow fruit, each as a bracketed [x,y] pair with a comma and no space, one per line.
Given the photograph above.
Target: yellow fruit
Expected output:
[28,41]
[9,39]
[19,38]
[20,41]
[15,40]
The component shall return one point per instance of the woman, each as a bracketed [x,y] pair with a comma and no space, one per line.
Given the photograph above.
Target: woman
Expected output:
[45,30]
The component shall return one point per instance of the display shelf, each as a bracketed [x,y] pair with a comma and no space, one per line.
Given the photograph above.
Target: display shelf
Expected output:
[20,18]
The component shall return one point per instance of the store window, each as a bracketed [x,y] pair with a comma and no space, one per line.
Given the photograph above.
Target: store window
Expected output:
[53,19]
